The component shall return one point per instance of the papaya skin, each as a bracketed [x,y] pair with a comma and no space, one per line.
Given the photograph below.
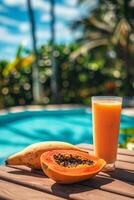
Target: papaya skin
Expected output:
[30,156]
[68,175]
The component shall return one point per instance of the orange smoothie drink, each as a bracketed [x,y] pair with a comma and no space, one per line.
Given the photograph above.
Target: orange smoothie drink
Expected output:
[106,122]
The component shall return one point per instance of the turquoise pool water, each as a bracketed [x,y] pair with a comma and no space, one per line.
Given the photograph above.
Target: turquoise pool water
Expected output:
[18,130]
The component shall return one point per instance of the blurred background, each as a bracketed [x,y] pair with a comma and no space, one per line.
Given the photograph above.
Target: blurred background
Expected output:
[65,51]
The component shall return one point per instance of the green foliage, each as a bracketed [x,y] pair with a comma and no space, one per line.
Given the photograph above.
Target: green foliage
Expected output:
[128,134]
[15,89]
[110,27]
[19,62]
[78,80]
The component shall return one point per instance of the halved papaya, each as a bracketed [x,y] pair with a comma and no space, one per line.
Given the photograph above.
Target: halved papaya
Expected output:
[70,166]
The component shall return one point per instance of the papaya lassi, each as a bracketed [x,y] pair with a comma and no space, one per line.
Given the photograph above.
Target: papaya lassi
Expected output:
[106,121]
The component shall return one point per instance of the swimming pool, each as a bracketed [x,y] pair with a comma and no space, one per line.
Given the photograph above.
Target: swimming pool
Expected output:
[20,129]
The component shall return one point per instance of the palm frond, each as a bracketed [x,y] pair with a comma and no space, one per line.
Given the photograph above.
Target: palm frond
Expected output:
[19,62]
[19,51]
[99,24]
[121,32]
[87,47]
[11,66]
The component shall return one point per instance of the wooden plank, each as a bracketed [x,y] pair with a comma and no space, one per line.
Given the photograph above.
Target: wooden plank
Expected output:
[125,152]
[124,165]
[120,157]
[123,179]
[112,185]
[126,185]
[125,158]
[124,170]
[40,183]
[120,174]
[120,150]
[13,191]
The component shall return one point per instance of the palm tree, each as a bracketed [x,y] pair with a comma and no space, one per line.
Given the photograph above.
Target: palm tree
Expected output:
[35,69]
[111,25]
[54,84]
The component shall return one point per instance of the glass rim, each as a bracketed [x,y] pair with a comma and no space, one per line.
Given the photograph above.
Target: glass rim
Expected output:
[113,98]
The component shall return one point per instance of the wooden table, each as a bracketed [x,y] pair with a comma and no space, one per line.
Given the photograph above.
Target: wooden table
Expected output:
[18,182]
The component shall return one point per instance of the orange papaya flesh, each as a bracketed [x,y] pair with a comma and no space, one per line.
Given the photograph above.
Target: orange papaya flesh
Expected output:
[70,166]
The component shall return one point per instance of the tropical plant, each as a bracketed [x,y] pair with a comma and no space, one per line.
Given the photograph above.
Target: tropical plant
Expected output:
[20,61]
[109,29]
[128,136]
[77,80]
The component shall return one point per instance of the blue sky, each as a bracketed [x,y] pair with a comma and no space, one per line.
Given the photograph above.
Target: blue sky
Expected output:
[15,29]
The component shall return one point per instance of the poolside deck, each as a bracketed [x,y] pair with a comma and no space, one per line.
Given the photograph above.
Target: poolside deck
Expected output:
[20,183]
[126,111]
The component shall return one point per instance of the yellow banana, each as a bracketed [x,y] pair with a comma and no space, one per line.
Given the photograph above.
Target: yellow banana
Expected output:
[30,156]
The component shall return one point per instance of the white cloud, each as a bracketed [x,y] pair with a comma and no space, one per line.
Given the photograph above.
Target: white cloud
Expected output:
[62,11]
[19,3]
[14,39]
[71,2]
[26,41]
[3,30]
[45,17]
[37,4]
[41,5]
[24,26]
[87,6]
[63,33]
[14,2]
[8,21]
[67,35]
[43,36]
[59,26]
[66,12]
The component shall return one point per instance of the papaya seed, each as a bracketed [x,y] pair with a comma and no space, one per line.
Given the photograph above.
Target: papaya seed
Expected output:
[71,160]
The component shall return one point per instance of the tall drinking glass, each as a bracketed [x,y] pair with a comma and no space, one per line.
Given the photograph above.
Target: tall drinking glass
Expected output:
[106,122]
